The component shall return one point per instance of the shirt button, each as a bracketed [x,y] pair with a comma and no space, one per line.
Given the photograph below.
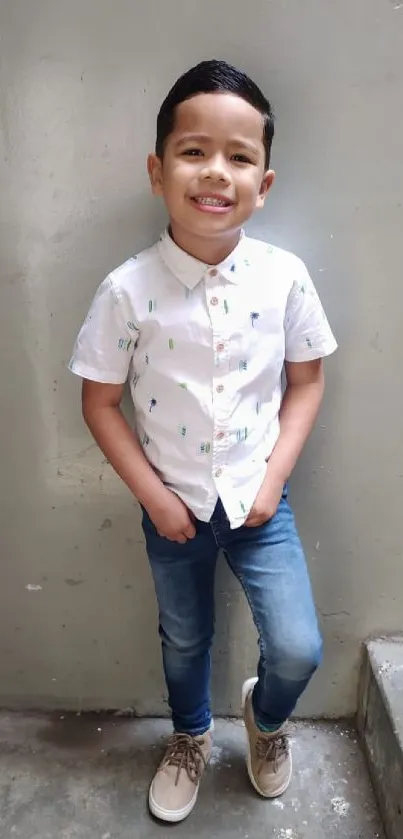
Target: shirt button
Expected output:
[220,347]
[214,301]
[220,388]
[213,272]
[220,435]
[218,473]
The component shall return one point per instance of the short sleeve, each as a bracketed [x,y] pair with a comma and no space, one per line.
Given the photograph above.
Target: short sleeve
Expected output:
[105,343]
[307,332]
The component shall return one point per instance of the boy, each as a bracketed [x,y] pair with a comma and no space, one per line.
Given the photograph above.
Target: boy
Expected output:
[203,324]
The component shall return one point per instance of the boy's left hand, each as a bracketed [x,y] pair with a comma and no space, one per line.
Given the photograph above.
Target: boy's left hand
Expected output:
[266,502]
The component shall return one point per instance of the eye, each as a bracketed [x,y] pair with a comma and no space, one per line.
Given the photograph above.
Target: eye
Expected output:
[241,158]
[192,152]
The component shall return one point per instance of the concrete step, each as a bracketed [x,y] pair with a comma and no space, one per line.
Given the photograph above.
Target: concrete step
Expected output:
[380,721]
[87,777]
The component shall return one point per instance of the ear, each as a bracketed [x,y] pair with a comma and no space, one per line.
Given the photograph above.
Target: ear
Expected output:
[154,169]
[267,183]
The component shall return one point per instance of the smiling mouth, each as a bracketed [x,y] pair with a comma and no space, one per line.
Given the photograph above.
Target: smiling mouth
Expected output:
[210,201]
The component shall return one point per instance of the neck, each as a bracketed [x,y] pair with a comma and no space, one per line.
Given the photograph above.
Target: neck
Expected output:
[210,251]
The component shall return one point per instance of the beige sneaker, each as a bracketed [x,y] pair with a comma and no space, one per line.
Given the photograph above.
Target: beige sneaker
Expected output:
[174,790]
[269,758]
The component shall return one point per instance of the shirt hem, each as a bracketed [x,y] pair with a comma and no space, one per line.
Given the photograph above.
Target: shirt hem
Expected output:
[312,354]
[95,375]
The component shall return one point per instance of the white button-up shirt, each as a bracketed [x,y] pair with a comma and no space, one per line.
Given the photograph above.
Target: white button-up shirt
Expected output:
[203,348]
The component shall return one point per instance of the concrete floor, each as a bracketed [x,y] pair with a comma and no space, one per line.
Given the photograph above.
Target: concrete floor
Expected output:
[86,777]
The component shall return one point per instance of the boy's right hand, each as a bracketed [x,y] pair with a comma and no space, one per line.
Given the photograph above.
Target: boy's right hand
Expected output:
[171,517]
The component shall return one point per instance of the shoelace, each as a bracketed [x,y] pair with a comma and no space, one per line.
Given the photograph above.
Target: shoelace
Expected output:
[185,752]
[271,749]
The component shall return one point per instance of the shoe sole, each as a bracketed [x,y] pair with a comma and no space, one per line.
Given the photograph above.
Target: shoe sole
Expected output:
[172,816]
[247,687]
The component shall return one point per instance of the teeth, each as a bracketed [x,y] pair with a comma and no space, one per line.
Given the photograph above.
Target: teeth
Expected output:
[212,202]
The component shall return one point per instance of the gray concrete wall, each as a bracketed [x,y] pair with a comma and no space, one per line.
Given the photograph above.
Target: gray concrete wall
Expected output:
[80,84]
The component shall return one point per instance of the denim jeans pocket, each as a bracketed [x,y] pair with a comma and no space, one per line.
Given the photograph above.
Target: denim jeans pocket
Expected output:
[146,522]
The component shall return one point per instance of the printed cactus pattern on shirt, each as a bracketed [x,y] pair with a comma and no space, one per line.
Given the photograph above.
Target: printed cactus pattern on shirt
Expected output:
[205,448]
[125,344]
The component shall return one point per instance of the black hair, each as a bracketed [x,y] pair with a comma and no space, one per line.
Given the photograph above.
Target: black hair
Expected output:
[213,77]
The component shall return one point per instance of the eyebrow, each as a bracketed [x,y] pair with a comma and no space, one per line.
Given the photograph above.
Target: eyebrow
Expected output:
[205,138]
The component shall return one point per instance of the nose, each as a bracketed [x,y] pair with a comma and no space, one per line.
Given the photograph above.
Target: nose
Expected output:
[215,169]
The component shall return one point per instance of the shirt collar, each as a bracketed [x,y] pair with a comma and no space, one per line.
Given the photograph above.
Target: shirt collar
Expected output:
[190,270]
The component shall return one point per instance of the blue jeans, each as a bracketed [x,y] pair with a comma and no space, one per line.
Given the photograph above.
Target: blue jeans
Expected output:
[269,563]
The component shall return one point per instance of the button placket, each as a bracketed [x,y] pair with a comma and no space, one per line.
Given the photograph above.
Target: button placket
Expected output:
[220,429]
[215,302]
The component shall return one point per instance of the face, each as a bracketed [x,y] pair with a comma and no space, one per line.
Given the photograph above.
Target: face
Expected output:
[212,176]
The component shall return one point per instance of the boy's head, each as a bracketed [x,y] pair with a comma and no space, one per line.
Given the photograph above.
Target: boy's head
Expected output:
[211,163]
